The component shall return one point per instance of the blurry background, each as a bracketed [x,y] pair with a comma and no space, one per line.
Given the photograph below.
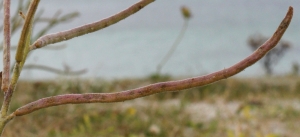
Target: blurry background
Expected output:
[216,37]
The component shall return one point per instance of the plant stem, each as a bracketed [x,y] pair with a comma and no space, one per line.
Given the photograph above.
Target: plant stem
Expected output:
[4,121]
[22,51]
[173,48]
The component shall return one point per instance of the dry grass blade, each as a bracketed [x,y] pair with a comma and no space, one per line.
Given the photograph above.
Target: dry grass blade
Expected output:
[66,71]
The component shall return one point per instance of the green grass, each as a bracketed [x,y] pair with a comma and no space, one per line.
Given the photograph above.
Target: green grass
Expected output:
[256,107]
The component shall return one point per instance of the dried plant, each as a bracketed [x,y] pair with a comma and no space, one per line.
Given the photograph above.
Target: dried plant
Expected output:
[26,46]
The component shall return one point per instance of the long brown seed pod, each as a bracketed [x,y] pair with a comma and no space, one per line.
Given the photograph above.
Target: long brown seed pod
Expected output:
[163,86]
[88,28]
[6,46]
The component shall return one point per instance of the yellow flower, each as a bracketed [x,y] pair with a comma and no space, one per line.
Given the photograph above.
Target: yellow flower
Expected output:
[131,111]
[185,12]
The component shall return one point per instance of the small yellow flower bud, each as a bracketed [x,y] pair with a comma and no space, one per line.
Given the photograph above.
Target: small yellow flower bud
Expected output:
[185,12]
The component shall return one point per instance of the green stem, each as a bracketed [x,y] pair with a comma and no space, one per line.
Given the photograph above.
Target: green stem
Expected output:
[26,30]
[173,48]
[4,121]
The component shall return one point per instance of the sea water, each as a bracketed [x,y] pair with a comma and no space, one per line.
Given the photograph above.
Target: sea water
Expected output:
[216,38]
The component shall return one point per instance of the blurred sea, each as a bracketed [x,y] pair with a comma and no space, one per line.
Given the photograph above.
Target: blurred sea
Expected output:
[215,39]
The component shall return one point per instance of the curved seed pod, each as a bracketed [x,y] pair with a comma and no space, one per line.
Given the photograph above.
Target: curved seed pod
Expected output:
[163,86]
[26,30]
[88,28]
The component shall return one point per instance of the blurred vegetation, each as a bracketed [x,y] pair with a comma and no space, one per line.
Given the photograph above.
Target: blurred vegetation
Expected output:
[46,24]
[236,107]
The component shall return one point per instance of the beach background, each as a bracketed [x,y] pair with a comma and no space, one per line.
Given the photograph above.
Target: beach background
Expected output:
[125,55]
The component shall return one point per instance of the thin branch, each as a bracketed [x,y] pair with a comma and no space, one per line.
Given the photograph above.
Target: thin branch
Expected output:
[6,46]
[64,18]
[163,86]
[88,28]
[54,70]
[16,20]
[186,13]
[173,47]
